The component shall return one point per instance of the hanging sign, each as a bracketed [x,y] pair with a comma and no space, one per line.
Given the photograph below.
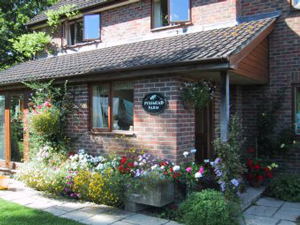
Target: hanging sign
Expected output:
[154,103]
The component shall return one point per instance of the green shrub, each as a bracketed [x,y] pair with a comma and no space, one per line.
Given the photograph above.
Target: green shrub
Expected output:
[286,187]
[208,207]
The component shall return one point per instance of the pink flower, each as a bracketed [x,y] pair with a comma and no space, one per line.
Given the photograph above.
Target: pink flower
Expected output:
[39,106]
[201,170]
[189,169]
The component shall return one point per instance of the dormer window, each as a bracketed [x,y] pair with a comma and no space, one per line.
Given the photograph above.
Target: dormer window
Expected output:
[170,12]
[295,4]
[82,30]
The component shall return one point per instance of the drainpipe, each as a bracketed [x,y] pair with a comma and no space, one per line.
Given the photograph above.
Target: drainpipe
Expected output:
[224,106]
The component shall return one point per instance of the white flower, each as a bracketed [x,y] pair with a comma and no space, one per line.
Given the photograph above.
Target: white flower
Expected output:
[81,152]
[162,167]
[193,151]
[153,167]
[186,154]
[141,164]
[176,168]
[135,163]
[206,160]
[198,175]
[235,182]
[212,163]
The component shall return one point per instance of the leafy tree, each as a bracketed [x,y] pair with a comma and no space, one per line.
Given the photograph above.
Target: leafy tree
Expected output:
[14,14]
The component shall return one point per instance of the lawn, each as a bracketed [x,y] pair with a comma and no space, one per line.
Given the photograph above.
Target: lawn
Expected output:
[14,214]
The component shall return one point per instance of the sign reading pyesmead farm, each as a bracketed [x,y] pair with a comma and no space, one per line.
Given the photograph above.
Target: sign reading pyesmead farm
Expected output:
[154,103]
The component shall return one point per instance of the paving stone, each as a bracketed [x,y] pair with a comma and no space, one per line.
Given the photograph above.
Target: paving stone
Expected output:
[77,215]
[40,205]
[96,209]
[272,202]
[13,196]
[287,213]
[260,220]
[145,220]
[284,222]
[24,201]
[55,211]
[292,204]
[124,223]
[172,223]
[261,211]
[101,219]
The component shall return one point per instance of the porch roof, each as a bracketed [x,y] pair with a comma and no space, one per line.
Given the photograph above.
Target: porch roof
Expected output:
[201,48]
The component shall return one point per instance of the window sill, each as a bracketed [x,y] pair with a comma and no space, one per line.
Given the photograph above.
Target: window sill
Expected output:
[171,27]
[125,133]
[81,44]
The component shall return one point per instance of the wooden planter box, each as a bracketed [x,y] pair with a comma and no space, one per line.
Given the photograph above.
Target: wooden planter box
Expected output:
[155,195]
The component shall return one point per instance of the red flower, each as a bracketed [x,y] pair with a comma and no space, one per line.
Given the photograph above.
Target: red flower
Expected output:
[260,178]
[250,177]
[252,168]
[269,174]
[121,168]
[165,173]
[257,167]
[249,162]
[123,160]
[163,164]
[266,169]
[251,150]
[39,106]
[171,169]
[130,165]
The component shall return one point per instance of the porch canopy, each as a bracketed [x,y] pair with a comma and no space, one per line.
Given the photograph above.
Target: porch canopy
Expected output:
[241,50]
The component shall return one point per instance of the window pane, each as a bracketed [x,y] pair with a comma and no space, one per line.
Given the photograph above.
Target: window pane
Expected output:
[72,34]
[123,106]
[297,114]
[100,106]
[296,4]
[179,11]
[79,32]
[160,13]
[91,27]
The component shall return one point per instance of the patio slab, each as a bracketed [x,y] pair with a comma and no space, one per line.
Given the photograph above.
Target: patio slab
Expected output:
[145,220]
[271,202]
[284,222]
[288,213]
[260,220]
[261,211]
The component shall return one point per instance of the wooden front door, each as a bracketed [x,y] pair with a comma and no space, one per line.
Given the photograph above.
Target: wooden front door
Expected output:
[204,133]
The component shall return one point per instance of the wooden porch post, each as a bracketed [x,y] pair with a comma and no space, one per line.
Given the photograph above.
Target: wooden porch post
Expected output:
[224,105]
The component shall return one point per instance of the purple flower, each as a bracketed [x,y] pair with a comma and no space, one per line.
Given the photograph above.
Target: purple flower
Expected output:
[69,183]
[54,168]
[79,195]
[235,182]
[222,185]
[217,160]
[72,195]
[70,171]
[67,189]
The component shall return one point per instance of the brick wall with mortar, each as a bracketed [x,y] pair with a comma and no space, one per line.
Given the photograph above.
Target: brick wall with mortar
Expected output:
[133,21]
[284,55]
[168,134]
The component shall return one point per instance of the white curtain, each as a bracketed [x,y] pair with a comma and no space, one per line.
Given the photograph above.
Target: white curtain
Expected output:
[100,106]
[158,20]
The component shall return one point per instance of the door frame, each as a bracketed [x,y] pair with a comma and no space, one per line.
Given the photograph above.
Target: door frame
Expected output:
[7,162]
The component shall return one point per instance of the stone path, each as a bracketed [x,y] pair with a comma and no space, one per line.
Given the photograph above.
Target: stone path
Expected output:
[86,213]
[270,211]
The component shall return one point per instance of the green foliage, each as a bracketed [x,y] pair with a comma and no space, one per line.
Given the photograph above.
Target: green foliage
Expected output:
[230,166]
[208,207]
[30,44]
[286,187]
[50,107]
[14,14]
[197,94]
[54,16]
[271,142]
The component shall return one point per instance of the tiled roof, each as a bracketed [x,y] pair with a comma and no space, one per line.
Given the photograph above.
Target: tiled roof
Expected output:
[177,49]
[80,4]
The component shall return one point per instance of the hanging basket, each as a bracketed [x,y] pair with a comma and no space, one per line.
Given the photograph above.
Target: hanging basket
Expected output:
[197,94]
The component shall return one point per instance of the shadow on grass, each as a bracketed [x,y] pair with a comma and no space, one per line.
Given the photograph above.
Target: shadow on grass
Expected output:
[14,214]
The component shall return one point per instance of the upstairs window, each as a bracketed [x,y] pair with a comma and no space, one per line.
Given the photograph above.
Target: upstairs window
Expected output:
[295,4]
[297,110]
[80,31]
[91,27]
[169,12]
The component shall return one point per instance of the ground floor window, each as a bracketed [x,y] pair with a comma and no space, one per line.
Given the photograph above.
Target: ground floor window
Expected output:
[297,110]
[112,106]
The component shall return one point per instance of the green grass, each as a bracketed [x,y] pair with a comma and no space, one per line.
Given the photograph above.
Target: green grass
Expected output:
[14,214]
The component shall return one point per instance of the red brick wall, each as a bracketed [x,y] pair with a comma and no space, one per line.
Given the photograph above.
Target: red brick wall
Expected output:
[168,134]
[284,55]
[134,20]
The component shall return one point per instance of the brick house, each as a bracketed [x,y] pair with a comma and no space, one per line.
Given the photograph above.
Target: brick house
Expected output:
[116,53]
